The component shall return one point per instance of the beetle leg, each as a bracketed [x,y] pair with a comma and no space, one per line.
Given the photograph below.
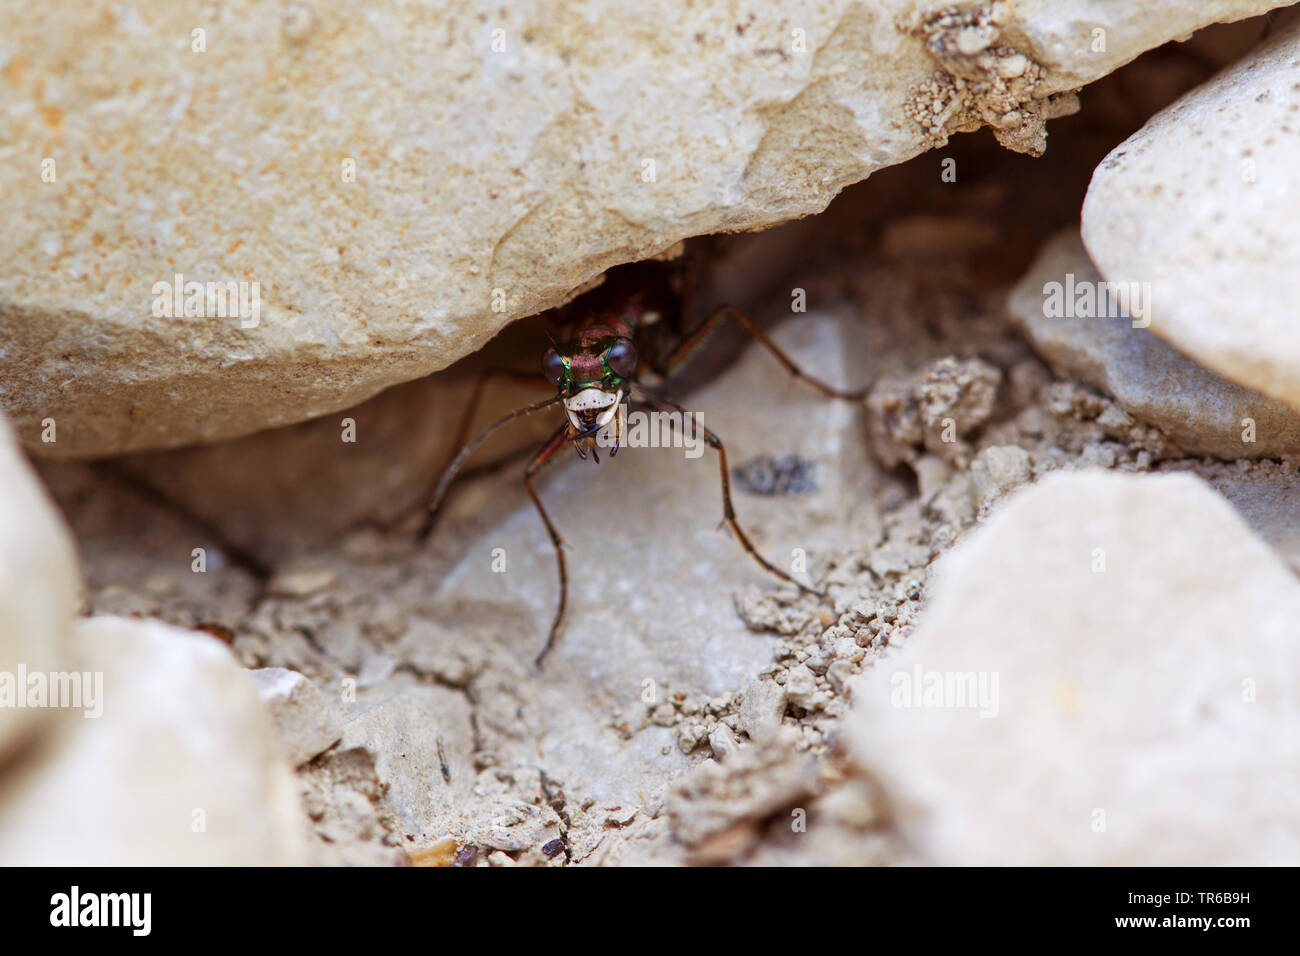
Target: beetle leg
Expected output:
[548,453]
[462,430]
[693,339]
[463,455]
[661,403]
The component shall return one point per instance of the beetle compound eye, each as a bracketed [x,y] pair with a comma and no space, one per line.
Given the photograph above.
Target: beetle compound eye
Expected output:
[622,358]
[553,366]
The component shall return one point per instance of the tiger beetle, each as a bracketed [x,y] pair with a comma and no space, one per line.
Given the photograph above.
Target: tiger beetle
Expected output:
[627,335]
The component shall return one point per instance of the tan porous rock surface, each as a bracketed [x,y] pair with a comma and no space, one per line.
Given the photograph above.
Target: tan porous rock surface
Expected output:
[391,189]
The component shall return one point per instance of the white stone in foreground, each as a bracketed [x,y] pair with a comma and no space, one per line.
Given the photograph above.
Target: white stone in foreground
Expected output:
[39,585]
[181,769]
[1144,714]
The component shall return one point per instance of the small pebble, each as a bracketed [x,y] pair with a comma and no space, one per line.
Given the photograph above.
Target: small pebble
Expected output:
[300,583]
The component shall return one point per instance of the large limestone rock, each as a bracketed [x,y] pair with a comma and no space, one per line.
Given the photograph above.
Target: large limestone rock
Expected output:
[401,183]
[39,585]
[1203,203]
[1139,649]
[1201,412]
[180,767]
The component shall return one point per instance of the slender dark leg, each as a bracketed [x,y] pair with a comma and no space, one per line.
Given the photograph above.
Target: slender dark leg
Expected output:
[693,339]
[549,452]
[463,455]
[660,403]
[467,419]
[480,386]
